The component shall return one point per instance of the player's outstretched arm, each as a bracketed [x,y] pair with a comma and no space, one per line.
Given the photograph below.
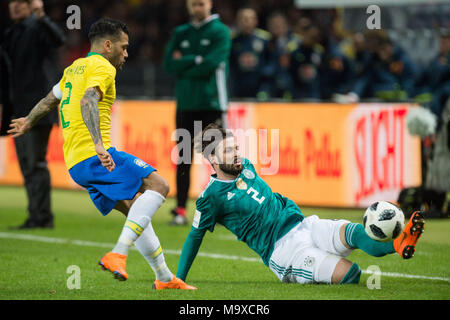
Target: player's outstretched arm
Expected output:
[189,252]
[91,118]
[22,125]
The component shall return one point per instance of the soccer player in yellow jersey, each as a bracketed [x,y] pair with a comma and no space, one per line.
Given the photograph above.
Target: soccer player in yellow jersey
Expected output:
[114,179]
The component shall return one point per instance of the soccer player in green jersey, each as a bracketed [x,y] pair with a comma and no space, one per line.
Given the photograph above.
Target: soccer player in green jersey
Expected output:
[296,248]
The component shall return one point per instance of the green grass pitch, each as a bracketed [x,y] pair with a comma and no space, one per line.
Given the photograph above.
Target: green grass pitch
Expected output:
[34,264]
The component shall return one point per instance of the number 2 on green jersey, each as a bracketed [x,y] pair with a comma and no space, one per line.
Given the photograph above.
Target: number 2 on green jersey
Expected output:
[255,195]
[66,101]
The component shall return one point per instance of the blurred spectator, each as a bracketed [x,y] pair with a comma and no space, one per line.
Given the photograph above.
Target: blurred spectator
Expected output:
[28,43]
[305,62]
[361,50]
[278,81]
[335,72]
[248,55]
[5,92]
[441,67]
[386,72]
[360,56]
[393,73]
[433,85]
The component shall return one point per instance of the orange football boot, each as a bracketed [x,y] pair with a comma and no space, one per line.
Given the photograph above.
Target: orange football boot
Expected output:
[116,263]
[175,283]
[405,243]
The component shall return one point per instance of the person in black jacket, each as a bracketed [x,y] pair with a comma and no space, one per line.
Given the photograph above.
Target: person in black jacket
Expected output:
[28,42]
[5,92]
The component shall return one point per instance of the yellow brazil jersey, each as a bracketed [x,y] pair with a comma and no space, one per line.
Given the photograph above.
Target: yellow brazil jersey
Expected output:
[84,73]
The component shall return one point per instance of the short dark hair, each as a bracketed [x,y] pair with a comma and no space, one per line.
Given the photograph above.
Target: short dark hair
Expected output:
[212,134]
[247,7]
[106,27]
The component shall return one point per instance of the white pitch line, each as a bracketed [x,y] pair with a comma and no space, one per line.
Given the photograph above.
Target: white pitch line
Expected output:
[226,237]
[409,276]
[19,236]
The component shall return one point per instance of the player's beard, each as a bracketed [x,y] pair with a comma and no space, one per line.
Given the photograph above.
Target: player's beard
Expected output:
[231,169]
[119,64]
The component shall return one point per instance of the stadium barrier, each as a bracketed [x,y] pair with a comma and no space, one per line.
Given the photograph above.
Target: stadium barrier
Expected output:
[316,154]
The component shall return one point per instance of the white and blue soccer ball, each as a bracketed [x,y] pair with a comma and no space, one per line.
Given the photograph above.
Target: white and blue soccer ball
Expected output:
[383,221]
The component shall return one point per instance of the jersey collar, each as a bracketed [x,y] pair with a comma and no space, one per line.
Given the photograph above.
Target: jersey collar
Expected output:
[94,53]
[207,20]
[225,181]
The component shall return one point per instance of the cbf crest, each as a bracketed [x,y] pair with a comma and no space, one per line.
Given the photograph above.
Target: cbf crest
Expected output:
[140,163]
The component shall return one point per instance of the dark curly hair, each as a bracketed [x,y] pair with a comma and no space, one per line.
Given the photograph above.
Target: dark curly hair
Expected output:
[210,137]
[106,27]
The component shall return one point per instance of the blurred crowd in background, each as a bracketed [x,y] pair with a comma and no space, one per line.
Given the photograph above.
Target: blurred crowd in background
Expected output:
[279,51]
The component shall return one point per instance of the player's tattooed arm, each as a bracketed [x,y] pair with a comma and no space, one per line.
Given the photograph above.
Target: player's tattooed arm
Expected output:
[43,107]
[91,115]
[22,125]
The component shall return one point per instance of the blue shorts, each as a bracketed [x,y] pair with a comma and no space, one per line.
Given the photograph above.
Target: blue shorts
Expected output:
[106,188]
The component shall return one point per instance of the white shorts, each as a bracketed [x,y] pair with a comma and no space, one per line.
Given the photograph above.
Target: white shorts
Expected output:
[309,252]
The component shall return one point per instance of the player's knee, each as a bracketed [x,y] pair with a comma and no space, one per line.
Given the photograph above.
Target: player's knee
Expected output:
[341,269]
[165,188]
[352,276]
[157,183]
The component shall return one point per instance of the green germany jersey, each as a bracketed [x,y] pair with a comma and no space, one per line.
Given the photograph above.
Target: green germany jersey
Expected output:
[248,208]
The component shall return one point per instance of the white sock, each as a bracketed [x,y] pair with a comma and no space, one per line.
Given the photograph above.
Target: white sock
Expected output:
[138,219]
[149,246]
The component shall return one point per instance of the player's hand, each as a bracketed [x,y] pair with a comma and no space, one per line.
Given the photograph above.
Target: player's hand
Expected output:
[37,7]
[105,158]
[19,127]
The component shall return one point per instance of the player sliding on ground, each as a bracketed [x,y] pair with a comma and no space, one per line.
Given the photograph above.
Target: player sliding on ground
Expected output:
[297,249]
[114,179]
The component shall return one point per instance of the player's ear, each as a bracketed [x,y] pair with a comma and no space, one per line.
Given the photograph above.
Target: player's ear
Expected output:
[108,46]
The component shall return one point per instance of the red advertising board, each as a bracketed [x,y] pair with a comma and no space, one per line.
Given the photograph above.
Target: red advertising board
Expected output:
[316,154]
